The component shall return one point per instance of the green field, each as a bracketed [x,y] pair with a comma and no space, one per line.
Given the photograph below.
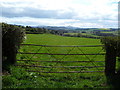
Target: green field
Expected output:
[49,39]
[84,34]
[112,32]
[22,79]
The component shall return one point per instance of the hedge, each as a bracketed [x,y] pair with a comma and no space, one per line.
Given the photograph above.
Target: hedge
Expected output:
[113,42]
[12,36]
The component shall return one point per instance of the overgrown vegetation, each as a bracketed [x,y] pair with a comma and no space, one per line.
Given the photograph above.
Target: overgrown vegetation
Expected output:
[112,42]
[12,36]
[112,47]
[19,78]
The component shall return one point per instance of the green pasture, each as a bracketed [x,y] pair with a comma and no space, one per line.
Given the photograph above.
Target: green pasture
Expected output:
[88,34]
[47,39]
[112,32]
[20,78]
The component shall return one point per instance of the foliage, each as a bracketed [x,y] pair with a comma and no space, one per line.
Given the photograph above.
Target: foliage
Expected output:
[112,42]
[12,36]
[85,35]
[38,30]
[35,30]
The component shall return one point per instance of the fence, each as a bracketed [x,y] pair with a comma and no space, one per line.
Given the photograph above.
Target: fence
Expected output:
[33,65]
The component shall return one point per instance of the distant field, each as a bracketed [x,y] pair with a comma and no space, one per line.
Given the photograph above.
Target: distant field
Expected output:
[107,32]
[64,80]
[88,34]
[110,32]
[49,39]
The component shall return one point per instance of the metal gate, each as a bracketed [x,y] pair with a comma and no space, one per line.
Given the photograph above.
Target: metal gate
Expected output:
[61,59]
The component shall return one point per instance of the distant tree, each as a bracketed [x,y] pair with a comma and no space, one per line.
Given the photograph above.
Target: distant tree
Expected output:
[83,32]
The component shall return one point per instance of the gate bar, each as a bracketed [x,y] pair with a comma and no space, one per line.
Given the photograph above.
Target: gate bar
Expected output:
[61,54]
[58,61]
[61,66]
[63,45]
[66,72]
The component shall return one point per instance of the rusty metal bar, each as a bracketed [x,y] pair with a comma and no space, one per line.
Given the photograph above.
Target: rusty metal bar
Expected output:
[58,61]
[61,66]
[66,71]
[62,45]
[60,54]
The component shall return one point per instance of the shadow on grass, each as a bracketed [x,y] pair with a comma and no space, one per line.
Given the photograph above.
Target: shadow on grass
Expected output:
[114,80]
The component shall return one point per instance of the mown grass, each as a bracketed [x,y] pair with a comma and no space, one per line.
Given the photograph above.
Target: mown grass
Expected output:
[20,78]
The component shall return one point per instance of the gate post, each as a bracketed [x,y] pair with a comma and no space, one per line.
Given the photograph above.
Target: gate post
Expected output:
[110,60]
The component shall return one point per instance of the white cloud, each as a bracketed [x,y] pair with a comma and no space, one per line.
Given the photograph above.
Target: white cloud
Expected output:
[59,22]
[37,21]
[86,10]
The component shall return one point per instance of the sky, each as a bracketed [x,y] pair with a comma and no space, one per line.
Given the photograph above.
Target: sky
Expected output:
[76,13]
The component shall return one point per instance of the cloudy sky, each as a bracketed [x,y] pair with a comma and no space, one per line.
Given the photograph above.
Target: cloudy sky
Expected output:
[77,13]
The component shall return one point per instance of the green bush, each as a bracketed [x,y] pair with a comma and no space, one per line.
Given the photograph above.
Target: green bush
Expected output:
[12,36]
[112,42]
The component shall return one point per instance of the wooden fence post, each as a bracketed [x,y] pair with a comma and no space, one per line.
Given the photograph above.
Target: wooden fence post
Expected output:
[110,60]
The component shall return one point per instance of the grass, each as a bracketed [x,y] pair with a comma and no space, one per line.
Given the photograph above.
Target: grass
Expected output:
[88,34]
[48,39]
[108,32]
[20,78]
[111,32]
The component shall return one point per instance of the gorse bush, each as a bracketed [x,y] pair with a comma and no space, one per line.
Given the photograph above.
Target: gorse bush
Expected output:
[12,36]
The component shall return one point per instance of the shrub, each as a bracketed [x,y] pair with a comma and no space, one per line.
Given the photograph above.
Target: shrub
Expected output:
[112,42]
[12,36]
